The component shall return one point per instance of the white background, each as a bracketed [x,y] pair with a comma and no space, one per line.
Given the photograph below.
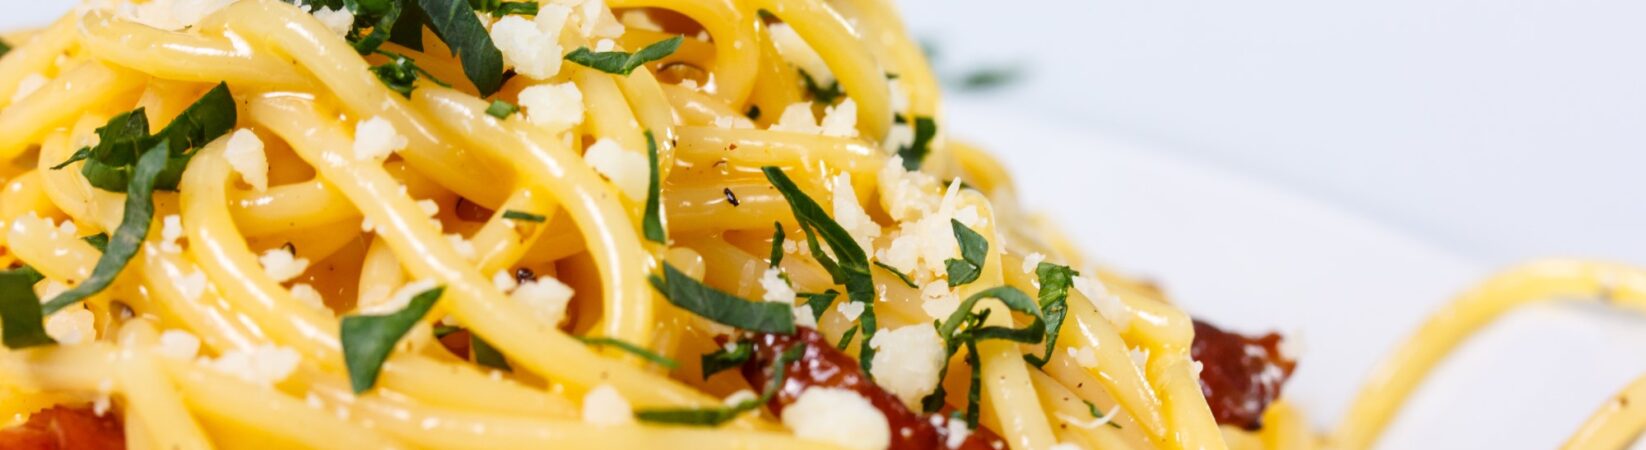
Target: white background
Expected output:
[1333,170]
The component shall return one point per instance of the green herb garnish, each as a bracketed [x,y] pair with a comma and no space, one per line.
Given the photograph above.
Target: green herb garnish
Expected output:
[973,251]
[716,416]
[631,348]
[965,328]
[915,153]
[400,74]
[777,244]
[907,281]
[99,241]
[499,8]
[1099,415]
[846,341]
[4,48]
[486,355]
[624,63]
[523,216]
[134,226]
[852,270]
[109,164]
[501,109]
[723,359]
[368,339]
[820,93]
[21,320]
[721,307]
[989,77]
[1054,293]
[455,22]
[652,222]
[820,303]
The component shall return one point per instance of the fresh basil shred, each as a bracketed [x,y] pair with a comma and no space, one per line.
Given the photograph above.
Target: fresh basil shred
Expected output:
[368,339]
[652,222]
[965,328]
[725,359]
[974,249]
[456,24]
[486,355]
[717,416]
[846,341]
[925,129]
[820,302]
[1090,407]
[99,241]
[632,349]
[852,269]
[721,307]
[499,8]
[907,281]
[4,48]
[501,109]
[400,74]
[134,226]
[820,93]
[523,216]
[777,244]
[1054,294]
[624,63]
[110,163]
[21,320]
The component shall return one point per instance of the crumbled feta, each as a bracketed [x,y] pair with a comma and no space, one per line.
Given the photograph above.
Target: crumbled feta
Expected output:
[338,20]
[1140,356]
[958,432]
[178,344]
[626,169]
[850,214]
[598,21]
[245,155]
[553,107]
[29,84]
[797,118]
[262,365]
[1108,304]
[900,99]
[545,296]
[463,246]
[739,397]
[795,50]
[1084,356]
[1196,367]
[192,285]
[397,301]
[429,207]
[73,326]
[729,122]
[909,361]
[938,300]
[906,195]
[310,297]
[605,45]
[504,281]
[777,289]
[171,15]
[840,120]
[604,406]
[1031,262]
[851,310]
[825,414]
[171,229]
[532,46]
[282,265]
[376,138]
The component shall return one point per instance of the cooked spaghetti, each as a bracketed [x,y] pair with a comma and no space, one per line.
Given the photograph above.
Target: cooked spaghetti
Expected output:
[566,224]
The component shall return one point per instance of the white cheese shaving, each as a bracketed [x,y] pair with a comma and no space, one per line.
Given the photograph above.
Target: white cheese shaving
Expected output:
[797,118]
[739,397]
[605,406]
[73,326]
[310,297]
[851,310]
[777,289]
[282,265]
[958,432]
[545,296]
[338,20]
[909,362]
[1107,304]
[30,83]
[192,285]
[178,344]
[1031,262]
[597,20]
[504,281]
[376,138]
[463,247]
[939,300]
[245,155]
[171,229]
[626,169]
[397,301]
[1084,356]
[840,120]
[532,47]
[263,365]
[605,45]
[838,416]
[850,214]
[553,107]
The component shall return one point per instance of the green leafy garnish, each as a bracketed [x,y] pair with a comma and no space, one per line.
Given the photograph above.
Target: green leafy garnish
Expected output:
[631,348]
[486,355]
[500,8]
[456,24]
[624,63]
[989,77]
[723,359]
[1099,414]
[973,250]
[4,48]
[652,222]
[21,321]
[907,281]
[965,328]
[721,307]
[852,270]
[1054,293]
[109,164]
[501,109]
[821,94]
[368,339]
[777,244]
[915,153]
[716,416]
[400,74]
[134,226]
[523,216]
[820,303]
[846,340]
[99,241]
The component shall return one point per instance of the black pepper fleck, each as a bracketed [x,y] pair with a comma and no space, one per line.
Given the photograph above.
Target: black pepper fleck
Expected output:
[730,197]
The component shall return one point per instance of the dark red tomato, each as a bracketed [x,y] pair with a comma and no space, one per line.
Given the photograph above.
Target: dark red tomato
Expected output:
[824,366]
[65,428]
[1240,375]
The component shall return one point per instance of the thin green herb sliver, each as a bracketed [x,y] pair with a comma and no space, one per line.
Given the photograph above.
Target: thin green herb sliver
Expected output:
[716,416]
[456,23]
[523,216]
[368,339]
[624,63]
[724,359]
[134,226]
[852,270]
[652,222]
[720,307]
[501,109]
[1054,293]
[925,129]
[486,355]
[22,324]
[973,250]
[632,349]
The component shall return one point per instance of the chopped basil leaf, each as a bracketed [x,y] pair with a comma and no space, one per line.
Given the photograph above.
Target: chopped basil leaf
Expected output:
[523,216]
[974,392]
[973,251]
[820,303]
[846,340]
[368,339]
[456,24]
[900,275]
[399,74]
[109,164]
[4,48]
[722,359]
[777,244]
[720,307]
[501,109]
[821,94]
[988,78]
[21,321]
[1015,300]
[753,112]
[134,226]
[1054,293]
[624,63]
[407,30]
[913,155]
[652,222]
[379,15]
[716,416]
[486,355]
[853,268]
[99,241]
[1099,414]
[516,8]
[631,348]
[441,331]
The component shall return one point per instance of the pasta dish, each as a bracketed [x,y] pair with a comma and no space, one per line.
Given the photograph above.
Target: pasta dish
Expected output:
[690,224]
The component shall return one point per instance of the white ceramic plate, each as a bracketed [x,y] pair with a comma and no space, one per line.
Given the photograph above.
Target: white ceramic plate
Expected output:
[1246,255]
